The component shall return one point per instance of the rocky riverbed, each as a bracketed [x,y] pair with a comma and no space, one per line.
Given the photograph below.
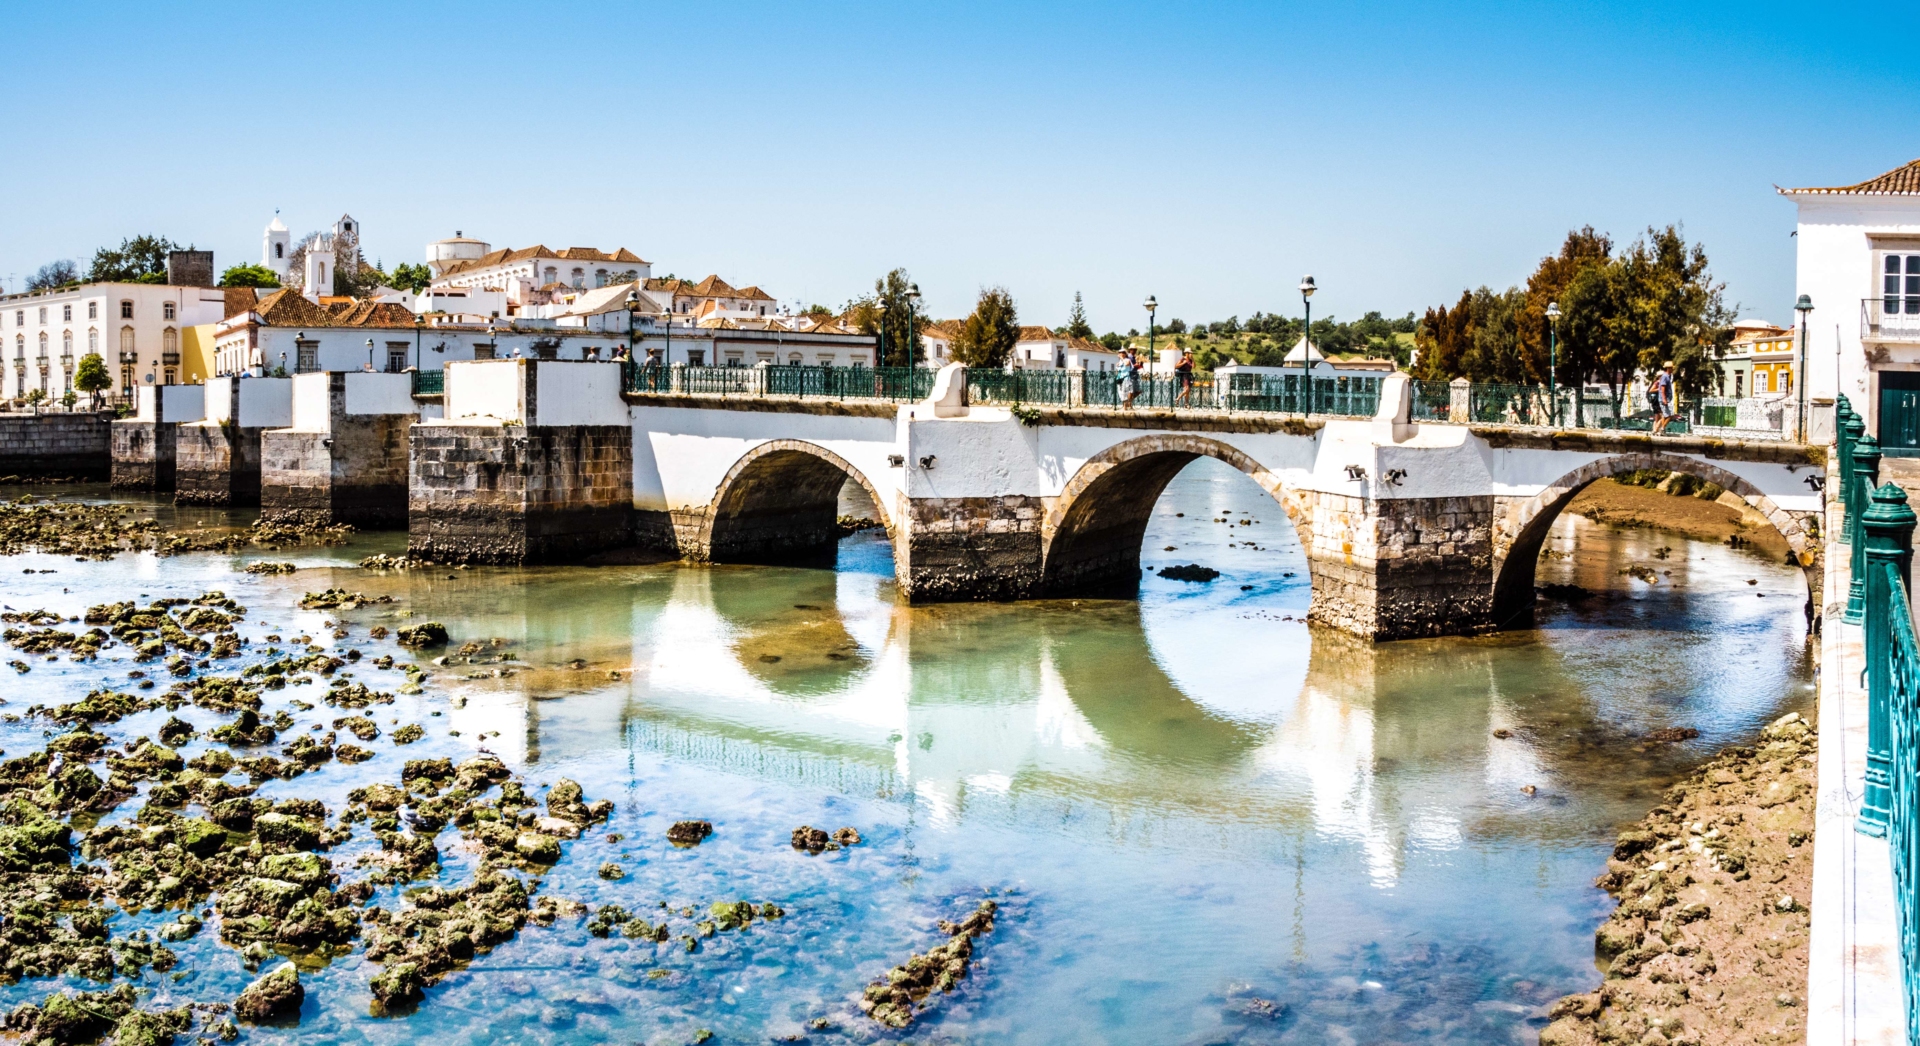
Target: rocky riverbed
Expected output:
[1709,943]
[119,816]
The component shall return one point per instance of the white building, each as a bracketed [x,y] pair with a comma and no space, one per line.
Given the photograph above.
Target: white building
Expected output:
[1036,349]
[1303,357]
[467,263]
[282,331]
[138,328]
[1858,260]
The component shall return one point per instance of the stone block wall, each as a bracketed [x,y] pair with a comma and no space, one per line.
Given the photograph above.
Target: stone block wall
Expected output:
[487,493]
[950,549]
[78,445]
[216,464]
[1401,568]
[143,454]
[355,474]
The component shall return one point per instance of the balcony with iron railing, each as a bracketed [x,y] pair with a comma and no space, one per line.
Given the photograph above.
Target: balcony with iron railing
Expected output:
[1891,318]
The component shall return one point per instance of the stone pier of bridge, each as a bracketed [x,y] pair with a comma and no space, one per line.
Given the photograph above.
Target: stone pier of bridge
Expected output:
[1409,529]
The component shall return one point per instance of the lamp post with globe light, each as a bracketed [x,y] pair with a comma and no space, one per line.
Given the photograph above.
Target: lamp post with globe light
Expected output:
[1553,364]
[1306,345]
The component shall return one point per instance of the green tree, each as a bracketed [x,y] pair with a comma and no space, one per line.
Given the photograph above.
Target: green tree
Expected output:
[1444,337]
[410,278]
[91,376]
[988,336]
[1077,325]
[53,274]
[884,315]
[248,276]
[1548,284]
[142,259]
[817,310]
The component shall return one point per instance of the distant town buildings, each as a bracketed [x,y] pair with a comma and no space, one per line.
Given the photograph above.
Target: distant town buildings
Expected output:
[1759,361]
[145,332]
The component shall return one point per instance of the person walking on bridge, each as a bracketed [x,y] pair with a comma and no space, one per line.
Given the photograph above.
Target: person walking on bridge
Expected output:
[1663,398]
[1128,375]
[1183,377]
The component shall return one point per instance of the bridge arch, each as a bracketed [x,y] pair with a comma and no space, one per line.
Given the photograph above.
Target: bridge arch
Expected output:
[1092,534]
[1523,527]
[779,504]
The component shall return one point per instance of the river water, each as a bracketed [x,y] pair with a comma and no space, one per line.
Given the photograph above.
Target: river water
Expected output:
[1204,821]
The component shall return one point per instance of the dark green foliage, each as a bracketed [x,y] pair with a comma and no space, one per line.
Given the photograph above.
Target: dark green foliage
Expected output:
[248,276]
[142,259]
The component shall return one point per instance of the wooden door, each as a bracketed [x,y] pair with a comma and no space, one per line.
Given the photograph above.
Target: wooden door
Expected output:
[1899,433]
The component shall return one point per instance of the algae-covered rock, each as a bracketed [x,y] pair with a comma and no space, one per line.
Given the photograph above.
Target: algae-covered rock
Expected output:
[399,983]
[278,994]
[199,837]
[429,633]
[286,830]
[538,848]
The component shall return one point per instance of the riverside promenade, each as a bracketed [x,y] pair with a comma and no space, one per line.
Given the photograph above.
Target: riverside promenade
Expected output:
[1854,993]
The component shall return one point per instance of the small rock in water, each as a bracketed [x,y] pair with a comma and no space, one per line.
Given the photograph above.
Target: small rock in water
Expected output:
[1503,733]
[689,833]
[1189,572]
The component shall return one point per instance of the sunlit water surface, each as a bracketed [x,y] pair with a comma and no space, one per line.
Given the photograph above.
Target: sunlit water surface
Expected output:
[1189,807]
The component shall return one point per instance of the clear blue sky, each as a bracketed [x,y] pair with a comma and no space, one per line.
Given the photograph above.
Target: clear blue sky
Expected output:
[1207,154]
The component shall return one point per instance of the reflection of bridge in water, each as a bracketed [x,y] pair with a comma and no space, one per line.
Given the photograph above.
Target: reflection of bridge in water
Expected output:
[1065,712]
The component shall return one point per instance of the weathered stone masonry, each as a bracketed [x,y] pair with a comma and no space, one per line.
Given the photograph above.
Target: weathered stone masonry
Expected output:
[217,463]
[354,471]
[144,454]
[491,493]
[54,445]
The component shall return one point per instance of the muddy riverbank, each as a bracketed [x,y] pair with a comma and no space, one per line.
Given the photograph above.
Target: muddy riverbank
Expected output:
[1679,504]
[1709,942]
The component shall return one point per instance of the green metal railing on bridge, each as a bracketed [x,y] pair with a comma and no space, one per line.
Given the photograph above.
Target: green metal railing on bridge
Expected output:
[1351,397]
[1877,526]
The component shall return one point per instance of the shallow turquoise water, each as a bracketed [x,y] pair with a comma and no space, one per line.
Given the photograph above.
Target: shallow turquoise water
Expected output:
[1188,806]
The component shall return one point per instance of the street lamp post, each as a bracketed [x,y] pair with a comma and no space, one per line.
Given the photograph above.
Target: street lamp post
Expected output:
[1804,306]
[1150,306]
[1306,345]
[416,341]
[881,360]
[913,300]
[1553,364]
[633,307]
[369,355]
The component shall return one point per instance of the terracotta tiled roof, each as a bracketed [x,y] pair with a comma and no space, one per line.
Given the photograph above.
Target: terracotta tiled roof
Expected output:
[1901,181]
[506,256]
[1038,334]
[285,308]
[240,299]
[753,293]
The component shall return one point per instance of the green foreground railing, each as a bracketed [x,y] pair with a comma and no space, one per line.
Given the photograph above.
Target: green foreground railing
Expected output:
[1877,526]
[429,382]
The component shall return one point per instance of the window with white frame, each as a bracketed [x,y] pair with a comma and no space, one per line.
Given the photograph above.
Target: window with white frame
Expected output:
[93,310]
[43,315]
[66,314]
[1900,283]
[166,311]
[126,308]
[93,340]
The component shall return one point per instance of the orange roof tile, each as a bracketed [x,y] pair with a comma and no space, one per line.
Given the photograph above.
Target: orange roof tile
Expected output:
[1901,181]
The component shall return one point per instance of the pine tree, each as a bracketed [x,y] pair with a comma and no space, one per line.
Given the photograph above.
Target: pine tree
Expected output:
[1077,324]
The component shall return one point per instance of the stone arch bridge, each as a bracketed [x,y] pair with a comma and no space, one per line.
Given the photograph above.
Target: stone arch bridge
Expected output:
[1410,529]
